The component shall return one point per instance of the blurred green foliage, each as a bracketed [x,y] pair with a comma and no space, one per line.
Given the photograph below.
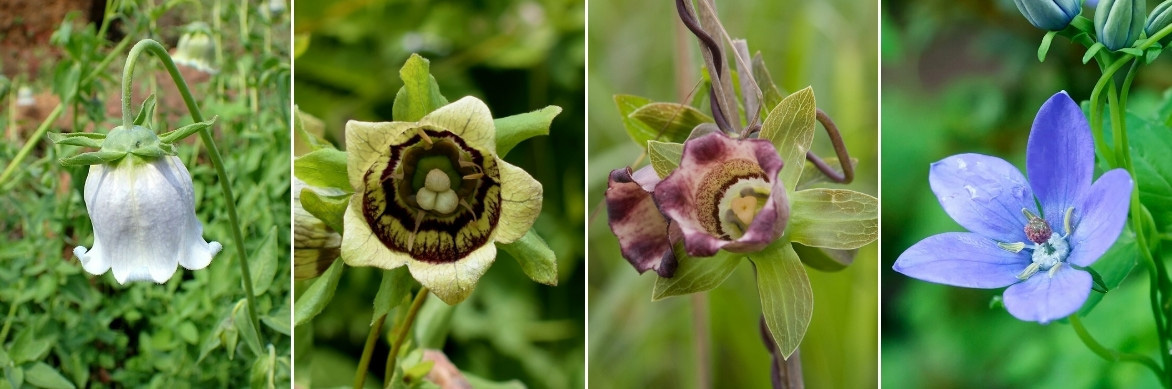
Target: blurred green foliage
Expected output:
[830,45]
[516,56]
[63,327]
[963,76]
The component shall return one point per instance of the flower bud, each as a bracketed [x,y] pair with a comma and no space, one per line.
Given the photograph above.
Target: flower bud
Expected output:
[1161,17]
[196,48]
[1119,22]
[1053,15]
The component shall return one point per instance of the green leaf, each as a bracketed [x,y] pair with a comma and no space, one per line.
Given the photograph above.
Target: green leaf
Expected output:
[478,382]
[833,218]
[1150,143]
[247,330]
[536,259]
[315,298]
[417,372]
[665,157]
[330,209]
[1113,267]
[1131,50]
[420,94]
[324,168]
[14,375]
[812,176]
[263,265]
[790,127]
[394,288]
[825,259]
[310,128]
[92,158]
[1044,47]
[65,81]
[638,131]
[1153,53]
[513,129]
[185,131]
[26,348]
[280,321]
[695,274]
[787,302]
[146,112]
[300,44]
[83,139]
[45,376]
[670,121]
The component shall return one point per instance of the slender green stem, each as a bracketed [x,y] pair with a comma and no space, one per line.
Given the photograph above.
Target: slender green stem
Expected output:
[367,351]
[1108,354]
[8,322]
[401,335]
[206,136]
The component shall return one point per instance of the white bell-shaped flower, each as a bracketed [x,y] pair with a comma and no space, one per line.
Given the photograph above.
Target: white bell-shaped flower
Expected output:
[143,213]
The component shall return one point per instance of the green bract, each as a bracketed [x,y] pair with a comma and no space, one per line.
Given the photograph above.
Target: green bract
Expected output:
[434,195]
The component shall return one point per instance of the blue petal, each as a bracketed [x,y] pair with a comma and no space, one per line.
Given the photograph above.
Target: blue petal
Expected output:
[1060,156]
[984,194]
[1043,298]
[962,259]
[1099,217]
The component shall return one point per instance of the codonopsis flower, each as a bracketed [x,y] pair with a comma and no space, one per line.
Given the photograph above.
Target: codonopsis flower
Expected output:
[1053,15]
[434,196]
[1039,253]
[143,212]
[725,194]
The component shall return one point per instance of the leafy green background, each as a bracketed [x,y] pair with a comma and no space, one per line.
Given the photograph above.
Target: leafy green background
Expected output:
[634,342]
[63,327]
[517,56]
[963,76]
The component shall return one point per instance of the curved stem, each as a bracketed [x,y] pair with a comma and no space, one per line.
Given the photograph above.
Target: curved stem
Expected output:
[206,136]
[844,157]
[401,335]
[1108,354]
[367,351]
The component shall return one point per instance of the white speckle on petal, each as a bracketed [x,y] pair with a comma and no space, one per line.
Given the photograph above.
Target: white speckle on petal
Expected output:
[972,191]
[961,164]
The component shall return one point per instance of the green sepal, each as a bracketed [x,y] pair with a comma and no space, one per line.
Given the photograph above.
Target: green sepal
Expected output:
[665,157]
[185,131]
[1099,285]
[670,121]
[92,158]
[512,130]
[308,126]
[787,300]
[770,93]
[1132,50]
[1091,51]
[420,93]
[325,168]
[1153,52]
[694,274]
[330,209]
[637,130]
[1044,47]
[833,218]
[790,127]
[314,299]
[150,152]
[537,260]
[392,291]
[146,111]
[828,260]
[83,139]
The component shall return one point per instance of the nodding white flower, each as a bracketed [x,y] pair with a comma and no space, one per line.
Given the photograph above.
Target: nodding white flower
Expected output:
[196,49]
[143,212]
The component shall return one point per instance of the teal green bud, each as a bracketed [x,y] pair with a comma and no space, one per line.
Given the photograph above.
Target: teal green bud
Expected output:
[1161,17]
[1053,15]
[1118,23]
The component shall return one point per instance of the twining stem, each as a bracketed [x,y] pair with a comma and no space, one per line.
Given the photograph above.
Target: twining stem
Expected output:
[1108,354]
[367,351]
[205,135]
[844,157]
[44,127]
[401,335]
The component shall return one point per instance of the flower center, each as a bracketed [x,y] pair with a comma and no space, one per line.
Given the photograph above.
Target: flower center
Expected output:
[1050,249]
[436,193]
[741,203]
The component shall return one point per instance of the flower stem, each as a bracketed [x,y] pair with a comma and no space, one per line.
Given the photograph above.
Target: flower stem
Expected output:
[401,335]
[1112,355]
[367,351]
[206,136]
